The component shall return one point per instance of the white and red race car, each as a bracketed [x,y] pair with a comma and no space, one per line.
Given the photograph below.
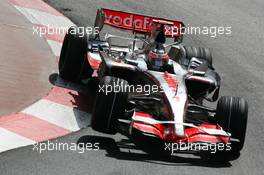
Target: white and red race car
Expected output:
[150,90]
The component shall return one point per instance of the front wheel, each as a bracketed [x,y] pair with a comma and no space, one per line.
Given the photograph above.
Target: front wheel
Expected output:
[110,104]
[232,115]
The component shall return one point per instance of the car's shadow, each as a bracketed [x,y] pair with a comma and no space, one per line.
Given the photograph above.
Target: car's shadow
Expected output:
[115,149]
[80,96]
[85,93]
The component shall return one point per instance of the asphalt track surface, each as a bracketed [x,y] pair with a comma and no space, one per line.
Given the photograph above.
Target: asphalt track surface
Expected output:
[23,74]
[238,58]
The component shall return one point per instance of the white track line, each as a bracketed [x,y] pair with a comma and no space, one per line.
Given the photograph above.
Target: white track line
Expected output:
[55,47]
[46,19]
[64,116]
[11,140]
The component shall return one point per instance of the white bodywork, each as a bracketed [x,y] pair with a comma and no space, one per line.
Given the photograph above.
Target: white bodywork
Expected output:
[177,96]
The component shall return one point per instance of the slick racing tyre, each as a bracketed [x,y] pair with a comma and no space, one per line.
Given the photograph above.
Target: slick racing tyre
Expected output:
[109,105]
[73,65]
[232,115]
[198,52]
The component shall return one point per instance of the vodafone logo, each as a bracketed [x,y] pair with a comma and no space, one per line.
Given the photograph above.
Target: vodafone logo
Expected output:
[128,22]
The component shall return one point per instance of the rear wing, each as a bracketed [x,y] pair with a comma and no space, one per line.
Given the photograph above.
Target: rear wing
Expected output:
[136,23]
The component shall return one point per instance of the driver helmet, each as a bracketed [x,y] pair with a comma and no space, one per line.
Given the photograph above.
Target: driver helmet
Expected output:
[157,58]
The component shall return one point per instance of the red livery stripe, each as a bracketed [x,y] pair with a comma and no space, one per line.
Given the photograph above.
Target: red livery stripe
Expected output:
[141,114]
[172,82]
[94,63]
[147,128]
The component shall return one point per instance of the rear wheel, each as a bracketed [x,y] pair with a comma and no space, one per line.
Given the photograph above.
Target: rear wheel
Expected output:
[198,52]
[73,65]
[232,114]
[109,106]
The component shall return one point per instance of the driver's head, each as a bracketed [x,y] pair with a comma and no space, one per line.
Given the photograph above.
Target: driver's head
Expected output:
[157,58]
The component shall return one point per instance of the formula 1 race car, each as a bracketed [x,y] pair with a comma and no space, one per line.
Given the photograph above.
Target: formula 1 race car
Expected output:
[150,90]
